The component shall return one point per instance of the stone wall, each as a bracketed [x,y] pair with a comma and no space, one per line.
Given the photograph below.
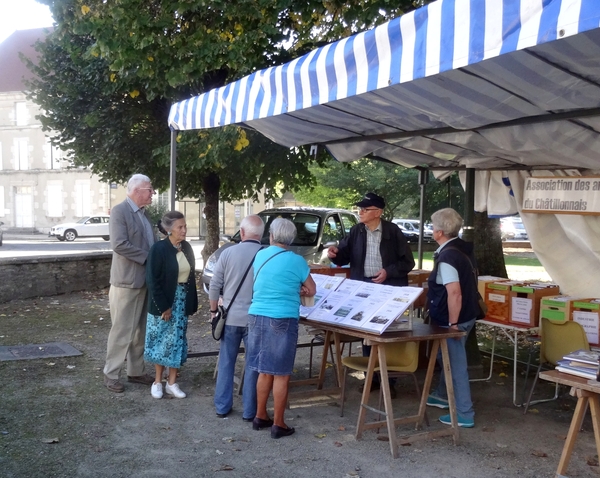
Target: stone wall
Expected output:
[25,277]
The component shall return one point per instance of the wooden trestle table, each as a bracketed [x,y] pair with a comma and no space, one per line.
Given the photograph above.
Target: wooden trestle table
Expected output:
[586,395]
[421,332]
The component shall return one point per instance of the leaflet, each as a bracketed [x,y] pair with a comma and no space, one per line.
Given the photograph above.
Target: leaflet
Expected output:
[385,316]
[357,311]
[325,285]
[323,311]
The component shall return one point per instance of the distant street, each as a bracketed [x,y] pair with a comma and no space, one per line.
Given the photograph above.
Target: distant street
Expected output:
[30,246]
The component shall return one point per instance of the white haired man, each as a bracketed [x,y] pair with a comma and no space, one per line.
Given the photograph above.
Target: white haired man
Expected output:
[227,275]
[131,237]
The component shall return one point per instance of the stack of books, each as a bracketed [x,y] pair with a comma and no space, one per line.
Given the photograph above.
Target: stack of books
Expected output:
[582,363]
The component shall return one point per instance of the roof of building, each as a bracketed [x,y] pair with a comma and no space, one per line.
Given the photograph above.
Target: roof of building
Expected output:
[12,69]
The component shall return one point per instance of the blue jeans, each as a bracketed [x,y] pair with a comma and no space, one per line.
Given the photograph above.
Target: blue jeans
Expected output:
[230,344]
[460,374]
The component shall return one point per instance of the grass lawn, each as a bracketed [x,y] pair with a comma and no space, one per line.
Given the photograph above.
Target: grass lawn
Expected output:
[519,267]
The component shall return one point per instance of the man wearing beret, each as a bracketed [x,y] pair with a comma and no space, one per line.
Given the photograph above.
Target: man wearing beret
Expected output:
[376,250]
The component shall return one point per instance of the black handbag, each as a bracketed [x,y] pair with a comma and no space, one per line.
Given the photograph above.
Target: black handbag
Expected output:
[218,321]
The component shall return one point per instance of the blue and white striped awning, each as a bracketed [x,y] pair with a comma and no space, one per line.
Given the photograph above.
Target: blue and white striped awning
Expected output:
[459,83]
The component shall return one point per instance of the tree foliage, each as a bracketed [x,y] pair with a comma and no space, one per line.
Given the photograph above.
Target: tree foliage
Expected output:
[343,184]
[110,71]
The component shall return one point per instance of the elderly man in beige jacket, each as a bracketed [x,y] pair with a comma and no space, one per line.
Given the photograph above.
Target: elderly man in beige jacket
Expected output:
[131,236]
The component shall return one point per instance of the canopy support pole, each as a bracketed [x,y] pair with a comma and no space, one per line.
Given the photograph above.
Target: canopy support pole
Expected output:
[423,180]
[469,215]
[172,187]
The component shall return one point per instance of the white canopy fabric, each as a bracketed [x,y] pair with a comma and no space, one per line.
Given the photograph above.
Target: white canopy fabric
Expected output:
[496,85]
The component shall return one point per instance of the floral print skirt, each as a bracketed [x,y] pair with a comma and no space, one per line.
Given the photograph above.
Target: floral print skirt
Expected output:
[166,341]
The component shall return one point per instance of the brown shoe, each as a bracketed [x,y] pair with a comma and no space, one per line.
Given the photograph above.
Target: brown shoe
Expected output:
[114,385]
[143,379]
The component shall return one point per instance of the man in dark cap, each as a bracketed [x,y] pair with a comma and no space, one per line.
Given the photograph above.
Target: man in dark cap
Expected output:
[376,250]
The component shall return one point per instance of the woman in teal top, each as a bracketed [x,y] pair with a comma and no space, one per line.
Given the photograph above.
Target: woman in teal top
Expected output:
[280,278]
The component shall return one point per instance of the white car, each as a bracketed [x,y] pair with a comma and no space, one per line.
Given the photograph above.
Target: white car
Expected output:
[89,226]
[512,228]
[410,228]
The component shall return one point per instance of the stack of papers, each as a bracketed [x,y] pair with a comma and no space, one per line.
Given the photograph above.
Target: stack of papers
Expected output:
[582,363]
[361,305]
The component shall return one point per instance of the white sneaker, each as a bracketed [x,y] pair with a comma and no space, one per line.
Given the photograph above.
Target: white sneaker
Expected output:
[156,390]
[174,390]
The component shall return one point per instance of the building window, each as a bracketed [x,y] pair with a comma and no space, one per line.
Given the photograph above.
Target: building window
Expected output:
[82,198]
[52,155]
[1,201]
[21,116]
[22,153]
[54,199]
[162,199]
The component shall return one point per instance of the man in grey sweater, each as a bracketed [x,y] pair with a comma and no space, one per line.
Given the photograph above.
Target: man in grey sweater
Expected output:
[229,271]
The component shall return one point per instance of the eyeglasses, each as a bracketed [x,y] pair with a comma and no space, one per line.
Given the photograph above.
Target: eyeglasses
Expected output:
[148,189]
[365,209]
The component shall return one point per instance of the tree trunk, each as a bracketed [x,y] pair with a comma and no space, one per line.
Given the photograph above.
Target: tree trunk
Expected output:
[488,246]
[211,186]
[490,261]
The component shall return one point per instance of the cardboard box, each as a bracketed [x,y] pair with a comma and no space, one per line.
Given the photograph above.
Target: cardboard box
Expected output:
[330,271]
[419,278]
[483,280]
[497,298]
[559,308]
[525,302]
[587,313]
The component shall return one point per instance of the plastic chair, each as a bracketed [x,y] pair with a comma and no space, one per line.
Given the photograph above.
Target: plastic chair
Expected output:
[402,359]
[557,340]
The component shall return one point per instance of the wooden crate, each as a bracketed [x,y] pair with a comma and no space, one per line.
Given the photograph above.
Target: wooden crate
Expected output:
[559,308]
[330,271]
[587,313]
[525,302]
[419,278]
[497,298]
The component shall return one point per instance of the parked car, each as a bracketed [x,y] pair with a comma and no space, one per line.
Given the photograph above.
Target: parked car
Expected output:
[410,228]
[1,224]
[317,229]
[512,228]
[89,226]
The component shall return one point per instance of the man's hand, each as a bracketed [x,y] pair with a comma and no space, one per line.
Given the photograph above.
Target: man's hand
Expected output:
[380,277]
[332,252]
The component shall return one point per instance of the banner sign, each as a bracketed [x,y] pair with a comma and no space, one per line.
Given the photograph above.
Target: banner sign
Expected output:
[561,195]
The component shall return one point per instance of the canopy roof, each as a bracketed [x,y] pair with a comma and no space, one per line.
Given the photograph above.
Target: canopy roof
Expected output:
[487,84]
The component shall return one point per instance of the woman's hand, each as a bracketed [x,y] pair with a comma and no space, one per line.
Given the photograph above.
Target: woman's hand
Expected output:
[304,290]
[166,315]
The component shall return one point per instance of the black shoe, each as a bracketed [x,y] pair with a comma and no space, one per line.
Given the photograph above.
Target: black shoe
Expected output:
[223,415]
[259,423]
[251,419]
[278,432]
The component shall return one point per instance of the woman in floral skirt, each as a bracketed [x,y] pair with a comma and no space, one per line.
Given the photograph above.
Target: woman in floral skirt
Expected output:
[172,296]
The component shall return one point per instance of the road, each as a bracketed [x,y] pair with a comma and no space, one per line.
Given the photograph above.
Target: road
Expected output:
[33,245]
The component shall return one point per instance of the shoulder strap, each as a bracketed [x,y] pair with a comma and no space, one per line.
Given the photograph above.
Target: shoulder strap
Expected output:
[473,268]
[242,281]
[280,252]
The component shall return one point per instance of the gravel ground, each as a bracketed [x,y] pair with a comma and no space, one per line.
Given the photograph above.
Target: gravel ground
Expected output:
[58,420]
